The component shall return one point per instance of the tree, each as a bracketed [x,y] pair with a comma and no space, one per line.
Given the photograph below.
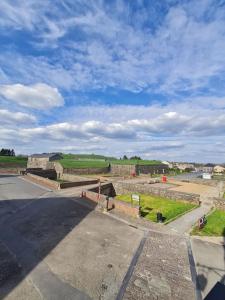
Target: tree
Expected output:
[135,157]
[125,157]
[7,152]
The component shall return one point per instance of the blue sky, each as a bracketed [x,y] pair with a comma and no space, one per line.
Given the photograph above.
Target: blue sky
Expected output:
[114,77]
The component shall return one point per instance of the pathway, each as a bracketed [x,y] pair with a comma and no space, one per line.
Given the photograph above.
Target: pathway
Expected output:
[184,223]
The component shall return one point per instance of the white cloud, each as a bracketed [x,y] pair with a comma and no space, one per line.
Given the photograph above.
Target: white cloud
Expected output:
[16,118]
[38,96]
[184,52]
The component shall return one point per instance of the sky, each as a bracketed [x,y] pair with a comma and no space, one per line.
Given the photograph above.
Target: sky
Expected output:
[114,77]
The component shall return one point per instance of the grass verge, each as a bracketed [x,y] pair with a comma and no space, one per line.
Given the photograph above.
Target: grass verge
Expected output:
[7,161]
[83,164]
[150,205]
[215,225]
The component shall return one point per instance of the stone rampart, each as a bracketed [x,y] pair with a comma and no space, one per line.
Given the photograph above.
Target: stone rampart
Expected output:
[64,185]
[86,171]
[50,174]
[125,188]
[11,170]
[122,170]
[219,203]
[107,203]
[43,181]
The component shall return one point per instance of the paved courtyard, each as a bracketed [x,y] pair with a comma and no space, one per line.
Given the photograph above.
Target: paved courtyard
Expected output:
[52,247]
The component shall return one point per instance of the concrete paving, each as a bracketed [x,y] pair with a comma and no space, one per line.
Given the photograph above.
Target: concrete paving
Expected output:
[210,264]
[184,224]
[53,247]
[162,271]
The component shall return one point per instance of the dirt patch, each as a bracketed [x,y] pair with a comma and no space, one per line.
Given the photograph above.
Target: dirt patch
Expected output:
[187,187]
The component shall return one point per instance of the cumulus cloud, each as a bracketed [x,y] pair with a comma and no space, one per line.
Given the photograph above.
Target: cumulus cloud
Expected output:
[182,52]
[16,118]
[38,96]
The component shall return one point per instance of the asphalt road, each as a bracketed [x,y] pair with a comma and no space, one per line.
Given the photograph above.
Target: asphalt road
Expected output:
[53,247]
[210,264]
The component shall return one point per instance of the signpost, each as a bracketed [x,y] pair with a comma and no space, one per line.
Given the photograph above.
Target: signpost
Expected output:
[135,198]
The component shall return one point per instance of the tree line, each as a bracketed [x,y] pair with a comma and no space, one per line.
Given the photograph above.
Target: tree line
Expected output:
[131,158]
[7,152]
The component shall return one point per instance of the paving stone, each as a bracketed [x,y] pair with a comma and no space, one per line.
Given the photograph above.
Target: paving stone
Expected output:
[162,271]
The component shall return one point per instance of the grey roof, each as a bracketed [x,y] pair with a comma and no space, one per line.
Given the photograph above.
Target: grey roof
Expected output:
[45,155]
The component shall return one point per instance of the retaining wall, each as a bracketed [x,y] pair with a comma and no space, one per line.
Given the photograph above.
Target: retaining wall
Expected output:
[125,187]
[152,169]
[50,174]
[64,185]
[86,171]
[219,203]
[123,170]
[106,203]
[11,170]
[106,189]
[44,181]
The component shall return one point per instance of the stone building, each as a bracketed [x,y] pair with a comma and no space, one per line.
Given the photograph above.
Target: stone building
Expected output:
[219,169]
[124,170]
[41,161]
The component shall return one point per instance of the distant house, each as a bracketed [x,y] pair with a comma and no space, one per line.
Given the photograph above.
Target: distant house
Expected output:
[208,168]
[169,164]
[138,169]
[219,169]
[184,166]
[41,161]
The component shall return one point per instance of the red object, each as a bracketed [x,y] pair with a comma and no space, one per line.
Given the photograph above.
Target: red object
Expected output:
[164,179]
[133,174]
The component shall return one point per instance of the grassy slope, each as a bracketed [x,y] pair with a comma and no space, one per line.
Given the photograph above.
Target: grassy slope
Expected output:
[215,225]
[14,160]
[83,164]
[135,162]
[83,161]
[150,205]
[86,156]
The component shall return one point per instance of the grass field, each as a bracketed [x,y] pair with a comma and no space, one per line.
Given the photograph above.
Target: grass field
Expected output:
[83,164]
[134,162]
[83,161]
[13,160]
[87,157]
[215,225]
[150,205]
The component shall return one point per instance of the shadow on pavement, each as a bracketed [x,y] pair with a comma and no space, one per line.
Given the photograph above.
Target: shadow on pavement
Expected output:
[29,230]
[218,290]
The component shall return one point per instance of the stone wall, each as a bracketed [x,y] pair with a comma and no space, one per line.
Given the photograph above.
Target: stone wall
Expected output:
[219,203]
[125,188]
[34,162]
[11,170]
[123,170]
[64,185]
[43,181]
[127,208]
[58,168]
[106,203]
[86,171]
[50,174]
[106,189]
[152,169]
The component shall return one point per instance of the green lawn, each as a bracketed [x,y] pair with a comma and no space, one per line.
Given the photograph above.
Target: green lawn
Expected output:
[13,160]
[83,164]
[150,205]
[215,225]
[87,157]
[135,162]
